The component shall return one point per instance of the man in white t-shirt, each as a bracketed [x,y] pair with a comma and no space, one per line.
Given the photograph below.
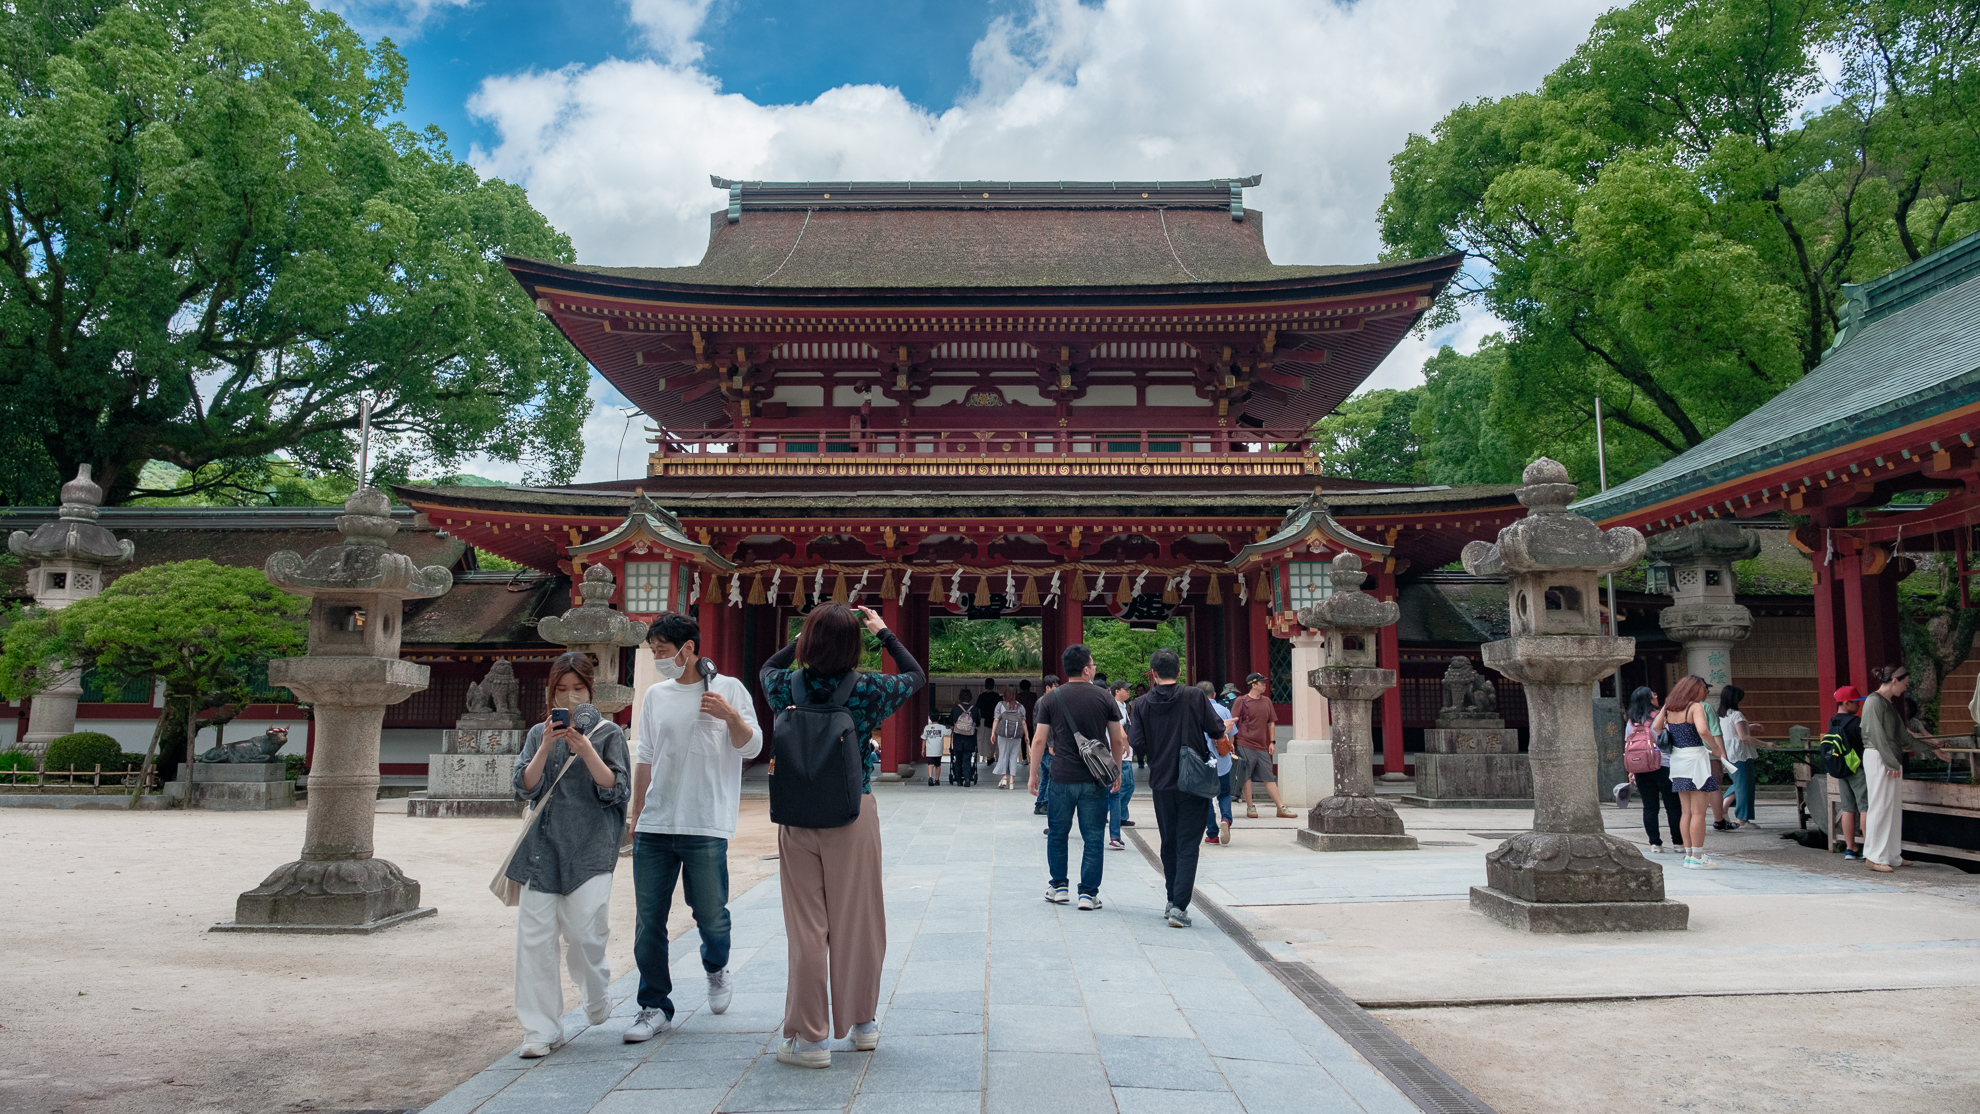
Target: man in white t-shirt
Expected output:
[696,729]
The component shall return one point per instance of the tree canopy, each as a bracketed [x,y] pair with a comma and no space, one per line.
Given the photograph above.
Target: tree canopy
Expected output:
[1669,220]
[214,242]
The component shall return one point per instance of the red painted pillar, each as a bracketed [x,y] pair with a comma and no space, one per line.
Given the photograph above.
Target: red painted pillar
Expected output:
[1849,573]
[1072,618]
[1258,617]
[894,729]
[1388,655]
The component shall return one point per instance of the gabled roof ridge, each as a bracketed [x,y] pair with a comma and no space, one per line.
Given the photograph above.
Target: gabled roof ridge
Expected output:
[1922,278]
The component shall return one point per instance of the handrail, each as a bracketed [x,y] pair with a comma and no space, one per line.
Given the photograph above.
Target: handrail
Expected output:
[980,440]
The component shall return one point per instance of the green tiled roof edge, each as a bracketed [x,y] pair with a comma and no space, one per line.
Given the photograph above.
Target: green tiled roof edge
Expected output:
[1896,414]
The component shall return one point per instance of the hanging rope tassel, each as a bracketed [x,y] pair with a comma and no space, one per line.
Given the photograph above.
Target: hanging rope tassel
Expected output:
[982,592]
[1126,595]
[887,591]
[1213,597]
[1170,595]
[1264,590]
[839,592]
[1078,586]
[1030,597]
[756,590]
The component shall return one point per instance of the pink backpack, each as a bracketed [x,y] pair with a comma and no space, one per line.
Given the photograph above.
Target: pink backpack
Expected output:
[1640,753]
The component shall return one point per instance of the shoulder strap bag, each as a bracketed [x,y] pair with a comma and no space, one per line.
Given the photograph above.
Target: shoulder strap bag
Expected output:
[507,890]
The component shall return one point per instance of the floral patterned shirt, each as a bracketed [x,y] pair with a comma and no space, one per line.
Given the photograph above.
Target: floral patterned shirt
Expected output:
[875,696]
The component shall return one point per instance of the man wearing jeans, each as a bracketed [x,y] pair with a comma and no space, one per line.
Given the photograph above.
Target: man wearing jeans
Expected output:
[1042,788]
[1078,707]
[1117,801]
[694,735]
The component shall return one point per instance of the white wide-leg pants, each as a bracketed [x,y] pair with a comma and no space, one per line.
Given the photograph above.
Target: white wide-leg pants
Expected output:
[1884,821]
[583,918]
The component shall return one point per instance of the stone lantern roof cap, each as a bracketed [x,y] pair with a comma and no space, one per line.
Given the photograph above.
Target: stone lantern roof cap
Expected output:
[1551,538]
[74,535]
[1711,539]
[593,622]
[1349,609]
[361,564]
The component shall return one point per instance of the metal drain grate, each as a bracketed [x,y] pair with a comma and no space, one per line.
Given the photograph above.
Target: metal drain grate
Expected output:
[1422,1082]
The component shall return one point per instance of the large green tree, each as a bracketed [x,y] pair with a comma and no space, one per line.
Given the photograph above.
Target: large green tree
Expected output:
[1371,437]
[214,242]
[1669,220]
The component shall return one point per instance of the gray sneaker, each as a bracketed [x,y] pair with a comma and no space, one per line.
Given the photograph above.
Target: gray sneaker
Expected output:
[646,1025]
[1177,918]
[720,990]
[1056,894]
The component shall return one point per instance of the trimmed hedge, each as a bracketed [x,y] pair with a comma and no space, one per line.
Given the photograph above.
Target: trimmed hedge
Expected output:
[84,750]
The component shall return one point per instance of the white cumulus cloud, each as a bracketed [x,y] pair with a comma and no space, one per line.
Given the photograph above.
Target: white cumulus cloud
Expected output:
[1316,96]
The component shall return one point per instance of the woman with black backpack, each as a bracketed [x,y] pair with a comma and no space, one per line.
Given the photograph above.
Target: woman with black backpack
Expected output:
[829,850]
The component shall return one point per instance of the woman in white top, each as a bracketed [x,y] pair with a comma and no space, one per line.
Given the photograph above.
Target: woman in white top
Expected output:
[1009,736]
[1742,753]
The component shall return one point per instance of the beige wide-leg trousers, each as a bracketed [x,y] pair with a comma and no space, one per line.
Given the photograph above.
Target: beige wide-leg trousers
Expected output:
[836,923]
[1884,819]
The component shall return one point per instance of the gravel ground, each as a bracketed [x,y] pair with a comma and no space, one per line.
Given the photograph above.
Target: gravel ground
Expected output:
[113,998]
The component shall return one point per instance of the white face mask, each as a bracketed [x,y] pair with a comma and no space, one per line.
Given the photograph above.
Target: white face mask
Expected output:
[670,669]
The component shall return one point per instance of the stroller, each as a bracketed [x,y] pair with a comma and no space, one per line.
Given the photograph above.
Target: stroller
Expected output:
[962,764]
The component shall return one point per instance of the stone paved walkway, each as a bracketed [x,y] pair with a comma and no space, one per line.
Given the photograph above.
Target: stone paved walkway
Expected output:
[993,1000]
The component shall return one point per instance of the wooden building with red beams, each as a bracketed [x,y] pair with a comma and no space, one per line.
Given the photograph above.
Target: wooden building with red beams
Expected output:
[1871,458]
[1064,400]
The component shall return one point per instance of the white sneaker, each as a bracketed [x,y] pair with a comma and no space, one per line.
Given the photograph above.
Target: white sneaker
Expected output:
[1089,901]
[720,990]
[647,1024]
[803,1054]
[536,1050]
[1055,894]
[1224,832]
[866,1036]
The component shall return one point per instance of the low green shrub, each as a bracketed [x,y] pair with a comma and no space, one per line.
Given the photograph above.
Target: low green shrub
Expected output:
[14,761]
[83,750]
[293,766]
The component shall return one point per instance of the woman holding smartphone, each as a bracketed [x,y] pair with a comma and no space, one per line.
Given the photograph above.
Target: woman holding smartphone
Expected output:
[574,763]
[834,919]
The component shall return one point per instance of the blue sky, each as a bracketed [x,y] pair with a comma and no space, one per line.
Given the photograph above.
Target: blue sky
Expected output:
[771,51]
[613,113]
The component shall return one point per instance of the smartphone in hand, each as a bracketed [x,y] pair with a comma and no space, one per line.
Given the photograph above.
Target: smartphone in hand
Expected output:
[560,718]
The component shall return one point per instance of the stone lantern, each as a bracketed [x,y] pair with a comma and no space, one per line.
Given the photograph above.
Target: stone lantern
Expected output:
[1353,819]
[597,629]
[1567,874]
[71,554]
[1702,616]
[352,672]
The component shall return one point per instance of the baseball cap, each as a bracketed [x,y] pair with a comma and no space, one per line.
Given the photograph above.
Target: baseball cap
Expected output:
[1847,694]
[1253,678]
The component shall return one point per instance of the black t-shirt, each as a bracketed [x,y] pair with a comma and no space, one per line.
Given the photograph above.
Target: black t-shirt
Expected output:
[1168,720]
[1075,706]
[986,708]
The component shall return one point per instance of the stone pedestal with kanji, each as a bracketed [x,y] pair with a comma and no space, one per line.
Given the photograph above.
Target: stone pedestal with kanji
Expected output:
[1353,818]
[350,675]
[1567,874]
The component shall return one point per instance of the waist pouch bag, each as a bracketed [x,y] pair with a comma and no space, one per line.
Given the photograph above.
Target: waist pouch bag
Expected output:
[815,767]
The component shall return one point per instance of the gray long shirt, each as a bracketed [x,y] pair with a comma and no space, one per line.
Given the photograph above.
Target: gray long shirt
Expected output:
[1884,729]
[578,837]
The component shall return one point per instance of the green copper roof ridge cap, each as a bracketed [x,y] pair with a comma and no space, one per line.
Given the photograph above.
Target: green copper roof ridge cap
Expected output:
[1864,423]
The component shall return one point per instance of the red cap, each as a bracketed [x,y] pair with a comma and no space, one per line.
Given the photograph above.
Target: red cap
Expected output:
[1848,694]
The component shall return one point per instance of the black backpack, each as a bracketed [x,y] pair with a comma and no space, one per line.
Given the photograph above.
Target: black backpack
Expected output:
[1839,759]
[815,767]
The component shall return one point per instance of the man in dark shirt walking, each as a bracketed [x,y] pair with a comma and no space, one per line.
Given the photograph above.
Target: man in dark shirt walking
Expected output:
[1170,719]
[1078,707]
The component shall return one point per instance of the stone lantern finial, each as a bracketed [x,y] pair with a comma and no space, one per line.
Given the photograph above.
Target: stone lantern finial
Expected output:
[1567,875]
[1353,818]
